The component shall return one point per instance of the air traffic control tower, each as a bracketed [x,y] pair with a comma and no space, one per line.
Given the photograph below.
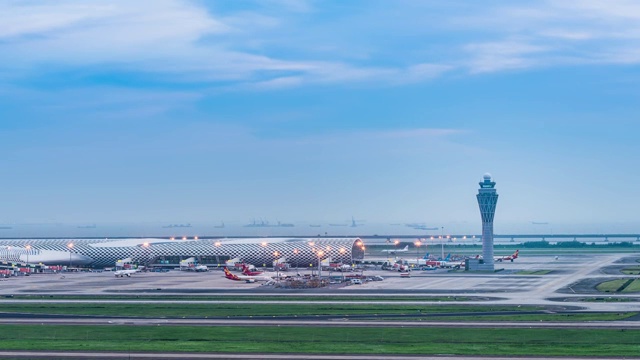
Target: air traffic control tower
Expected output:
[487,200]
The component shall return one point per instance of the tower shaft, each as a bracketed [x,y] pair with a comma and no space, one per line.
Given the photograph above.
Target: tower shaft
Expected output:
[487,200]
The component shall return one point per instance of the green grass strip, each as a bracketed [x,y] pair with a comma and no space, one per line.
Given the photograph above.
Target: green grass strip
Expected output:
[633,287]
[235,310]
[611,285]
[577,317]
[634,270]
[261,297]
[533,272]
[370,340]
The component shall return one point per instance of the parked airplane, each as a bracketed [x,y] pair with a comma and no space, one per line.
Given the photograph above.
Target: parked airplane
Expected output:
[393,251]
[126,272]
[200,268]
[507,258]
[427,262]
[246,278]
[249,272]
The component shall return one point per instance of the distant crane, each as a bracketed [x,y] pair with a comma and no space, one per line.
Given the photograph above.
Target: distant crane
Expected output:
[356,223]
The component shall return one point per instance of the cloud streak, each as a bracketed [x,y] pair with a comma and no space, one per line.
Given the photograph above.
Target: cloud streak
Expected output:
[179,40]
[554,33]
[264,45]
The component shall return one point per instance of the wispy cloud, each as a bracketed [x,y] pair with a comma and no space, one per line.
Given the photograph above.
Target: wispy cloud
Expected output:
[498,56]
[177,39]
[553,32]
[279,44]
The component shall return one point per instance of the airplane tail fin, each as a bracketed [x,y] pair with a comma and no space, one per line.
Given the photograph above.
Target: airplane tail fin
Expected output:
[515,255]
[406,248]
[227,273]
[426,256]
[448,257]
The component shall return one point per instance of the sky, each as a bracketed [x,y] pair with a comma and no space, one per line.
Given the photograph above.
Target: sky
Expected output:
[314,112]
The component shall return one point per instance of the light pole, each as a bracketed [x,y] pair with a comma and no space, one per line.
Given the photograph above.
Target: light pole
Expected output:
[320,253]
[217,244]
[313,250]
[28,247]
[275,264]
[342,251]
[70,246]
[295,253]
[395,247]
[145,246]
[442,243]
[448,237]
[417,243]
[264,261]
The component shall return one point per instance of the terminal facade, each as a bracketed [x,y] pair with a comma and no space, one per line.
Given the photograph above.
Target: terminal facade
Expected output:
[256,251]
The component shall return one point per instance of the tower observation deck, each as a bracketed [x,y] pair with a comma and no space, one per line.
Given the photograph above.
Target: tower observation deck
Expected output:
[487,200]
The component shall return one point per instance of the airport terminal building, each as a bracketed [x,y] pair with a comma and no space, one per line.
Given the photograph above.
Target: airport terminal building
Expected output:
[299,252]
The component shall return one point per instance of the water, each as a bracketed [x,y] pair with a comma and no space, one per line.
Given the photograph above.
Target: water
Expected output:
[300,229]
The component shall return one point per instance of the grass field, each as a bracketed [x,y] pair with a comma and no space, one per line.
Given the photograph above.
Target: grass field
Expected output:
[261,297]
[277,310]
[532,317]
[634,270]
[237,310]
[533,272]
[633,287]
[370,340]
[607,299]
[615,285]
[610,286]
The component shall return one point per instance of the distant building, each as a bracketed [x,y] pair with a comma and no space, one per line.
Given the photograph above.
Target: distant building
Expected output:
[105,252]
[487,200]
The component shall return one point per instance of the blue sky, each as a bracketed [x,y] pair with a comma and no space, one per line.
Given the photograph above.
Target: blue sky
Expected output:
[175,111]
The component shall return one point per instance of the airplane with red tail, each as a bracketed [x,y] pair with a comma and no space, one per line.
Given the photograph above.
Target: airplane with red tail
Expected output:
[507,258]
[246,278]
[249,272]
